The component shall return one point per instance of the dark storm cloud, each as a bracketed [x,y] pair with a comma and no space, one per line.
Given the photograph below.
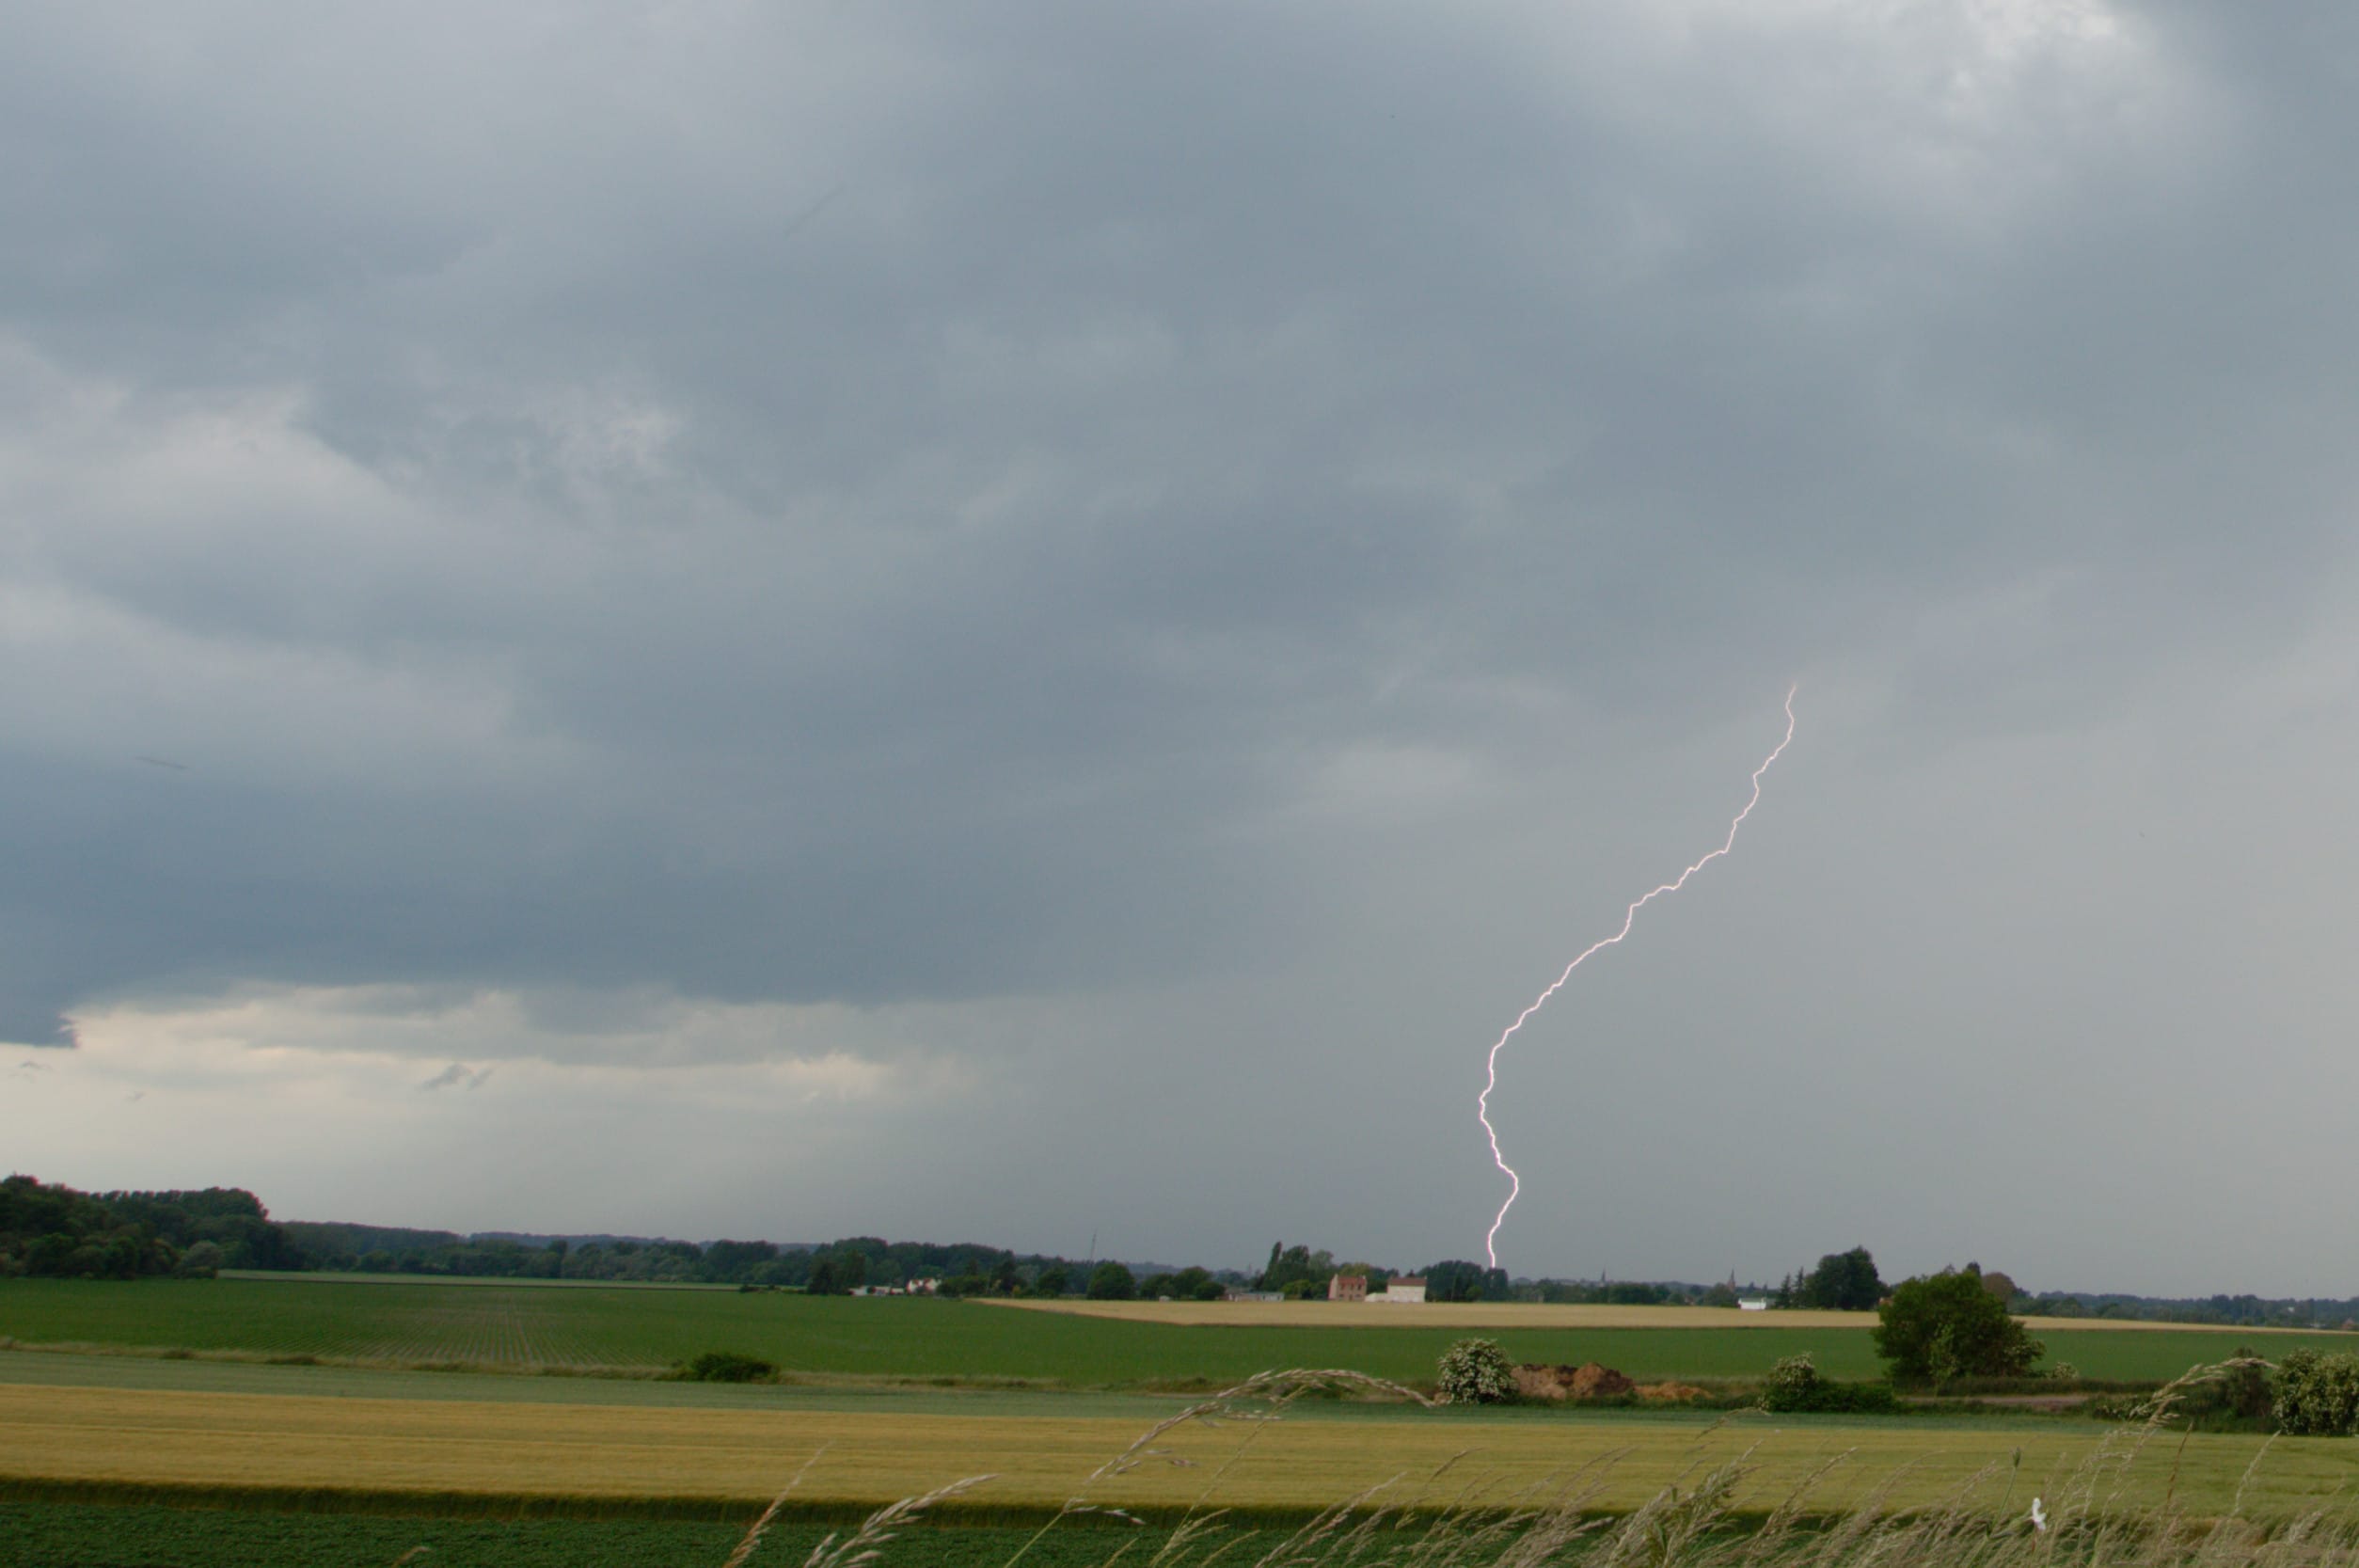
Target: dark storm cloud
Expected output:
[923,513]
[1208,515]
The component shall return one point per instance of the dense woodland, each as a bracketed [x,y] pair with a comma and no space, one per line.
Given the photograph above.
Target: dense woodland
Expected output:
[59,1231]
[52,1231]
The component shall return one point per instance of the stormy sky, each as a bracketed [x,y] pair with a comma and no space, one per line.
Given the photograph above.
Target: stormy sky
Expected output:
[1011,622]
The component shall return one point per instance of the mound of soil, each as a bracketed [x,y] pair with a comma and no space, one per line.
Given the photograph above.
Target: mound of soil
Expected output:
[1671,1393]
[1536,1380]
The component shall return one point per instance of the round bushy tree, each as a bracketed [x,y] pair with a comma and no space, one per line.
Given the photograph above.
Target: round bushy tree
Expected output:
[1946,1326]
[1476,1372]
[2318,1396]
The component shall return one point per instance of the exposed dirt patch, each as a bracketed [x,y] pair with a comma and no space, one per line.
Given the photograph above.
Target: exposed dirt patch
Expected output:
[1538,1381]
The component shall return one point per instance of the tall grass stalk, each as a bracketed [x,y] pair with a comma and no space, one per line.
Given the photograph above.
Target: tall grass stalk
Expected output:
[2077,1518]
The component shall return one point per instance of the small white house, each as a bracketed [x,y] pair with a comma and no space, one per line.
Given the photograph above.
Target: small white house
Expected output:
[1408,1287]
[1753,1303]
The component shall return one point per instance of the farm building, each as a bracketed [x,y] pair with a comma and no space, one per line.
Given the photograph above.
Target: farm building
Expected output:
[1408,1287]
[1348,1287]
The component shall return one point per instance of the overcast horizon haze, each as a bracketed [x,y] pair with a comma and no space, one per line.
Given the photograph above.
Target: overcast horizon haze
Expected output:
[798,621]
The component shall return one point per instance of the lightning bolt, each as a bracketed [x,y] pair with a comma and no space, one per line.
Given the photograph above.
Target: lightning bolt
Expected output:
[1483,1104]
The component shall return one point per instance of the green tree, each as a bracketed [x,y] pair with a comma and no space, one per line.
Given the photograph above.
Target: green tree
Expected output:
[2318,1396]
[1195,1284]
[202,1261]
[1455,1280]
[1944,1326]
[1052,1280]
[1111,1281]
[1296,1265]
[1843,1282]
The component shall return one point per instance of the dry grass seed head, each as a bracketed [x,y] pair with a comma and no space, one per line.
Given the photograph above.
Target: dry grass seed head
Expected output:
[864,1546]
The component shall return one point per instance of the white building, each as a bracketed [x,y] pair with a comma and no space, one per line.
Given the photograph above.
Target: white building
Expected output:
[1409,1288]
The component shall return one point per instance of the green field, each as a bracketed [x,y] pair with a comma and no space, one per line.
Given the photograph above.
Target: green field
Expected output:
[590,1329]
[135,1537]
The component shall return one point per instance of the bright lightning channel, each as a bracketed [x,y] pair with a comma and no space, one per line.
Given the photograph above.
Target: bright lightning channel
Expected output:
[1483,1104]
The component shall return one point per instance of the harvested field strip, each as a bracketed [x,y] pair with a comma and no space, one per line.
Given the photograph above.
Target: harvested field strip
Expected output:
[456,1456]
[1501,1315]
[1439,1314]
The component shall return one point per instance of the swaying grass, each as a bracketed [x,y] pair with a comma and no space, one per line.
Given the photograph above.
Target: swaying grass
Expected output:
[1993,1519]
[2143,1495]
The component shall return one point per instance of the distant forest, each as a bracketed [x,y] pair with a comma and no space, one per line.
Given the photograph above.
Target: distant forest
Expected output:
[55,1231]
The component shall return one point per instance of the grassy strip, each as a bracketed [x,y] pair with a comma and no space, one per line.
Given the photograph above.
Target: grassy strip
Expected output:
[75,1535]
[349,1503]
[434,1503]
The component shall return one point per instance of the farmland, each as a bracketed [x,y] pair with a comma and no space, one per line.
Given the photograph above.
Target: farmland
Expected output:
[588,1330]
[68,1533]
[1482,1315]
[461,1457]
[263,1421]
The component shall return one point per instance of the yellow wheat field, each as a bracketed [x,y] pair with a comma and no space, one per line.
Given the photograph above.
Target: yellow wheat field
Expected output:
[1510,1314]
[223,1443]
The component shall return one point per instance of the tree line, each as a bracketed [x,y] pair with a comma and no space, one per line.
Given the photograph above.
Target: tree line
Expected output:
[57,1232]
[54,1230]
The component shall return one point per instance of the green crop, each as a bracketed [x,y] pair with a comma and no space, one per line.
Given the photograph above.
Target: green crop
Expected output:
[919,1340]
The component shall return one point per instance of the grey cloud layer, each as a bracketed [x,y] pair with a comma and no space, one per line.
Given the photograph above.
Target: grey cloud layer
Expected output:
[804,506]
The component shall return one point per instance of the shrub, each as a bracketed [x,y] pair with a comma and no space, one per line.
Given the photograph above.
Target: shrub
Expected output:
[1855,1399]
[2231,1396]
[1793,1385]
[1476,1372]
[2318,1396]
[2245,1385]
[726,1366]
[202,1261]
